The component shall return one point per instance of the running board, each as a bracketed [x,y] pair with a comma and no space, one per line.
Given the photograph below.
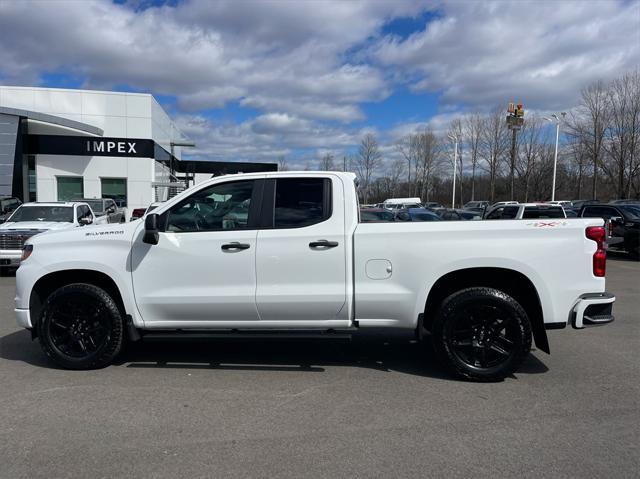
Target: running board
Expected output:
[274,334]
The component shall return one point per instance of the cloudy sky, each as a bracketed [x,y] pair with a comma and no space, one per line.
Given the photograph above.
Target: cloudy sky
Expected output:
[253,80]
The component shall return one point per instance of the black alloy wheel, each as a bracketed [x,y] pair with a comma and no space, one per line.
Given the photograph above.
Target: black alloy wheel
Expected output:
[81,327]
[481,334]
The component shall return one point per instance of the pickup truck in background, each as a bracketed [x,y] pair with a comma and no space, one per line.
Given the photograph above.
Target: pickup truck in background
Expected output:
[31,219]
[624,223]
[285,254]
[105,210]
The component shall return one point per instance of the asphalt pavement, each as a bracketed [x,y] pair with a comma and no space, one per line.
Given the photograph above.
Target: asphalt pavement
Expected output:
[374,407]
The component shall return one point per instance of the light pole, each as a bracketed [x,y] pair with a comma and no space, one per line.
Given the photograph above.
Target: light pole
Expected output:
[556,119]
[455,166]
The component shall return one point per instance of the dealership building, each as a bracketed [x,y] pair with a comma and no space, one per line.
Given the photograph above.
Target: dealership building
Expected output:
[62,144]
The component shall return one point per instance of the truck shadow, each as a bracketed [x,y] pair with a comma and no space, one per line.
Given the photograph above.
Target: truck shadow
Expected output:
[396,354]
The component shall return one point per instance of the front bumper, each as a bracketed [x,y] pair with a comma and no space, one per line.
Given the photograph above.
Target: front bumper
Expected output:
[10,257]
[593,309]
[23,318]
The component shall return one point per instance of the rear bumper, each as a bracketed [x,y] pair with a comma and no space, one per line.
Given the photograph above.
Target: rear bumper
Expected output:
[593,309]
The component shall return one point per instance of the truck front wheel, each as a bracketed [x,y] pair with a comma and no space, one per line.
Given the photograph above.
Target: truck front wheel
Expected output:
[481,334]
[81,327]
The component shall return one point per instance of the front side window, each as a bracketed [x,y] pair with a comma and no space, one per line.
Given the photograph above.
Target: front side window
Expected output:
[510,212]
[220,207]
[495,214]
[301,202]
[70,187]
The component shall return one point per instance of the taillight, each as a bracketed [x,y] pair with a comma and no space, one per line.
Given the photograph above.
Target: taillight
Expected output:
[598,234]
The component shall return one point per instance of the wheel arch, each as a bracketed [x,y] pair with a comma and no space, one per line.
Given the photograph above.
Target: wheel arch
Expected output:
[512,282]
[50,282]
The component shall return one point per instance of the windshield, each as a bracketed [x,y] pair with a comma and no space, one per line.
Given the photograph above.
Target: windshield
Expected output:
[633,212]
[96,206]
[63,214]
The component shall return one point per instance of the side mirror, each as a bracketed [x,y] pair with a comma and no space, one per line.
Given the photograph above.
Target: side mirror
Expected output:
[85,220]
[617,220]
[151,234]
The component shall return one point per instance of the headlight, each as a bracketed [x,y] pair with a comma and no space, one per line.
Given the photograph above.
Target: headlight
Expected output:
[26,252]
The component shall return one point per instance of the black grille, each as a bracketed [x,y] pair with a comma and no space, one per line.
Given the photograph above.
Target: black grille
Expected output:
[16,239]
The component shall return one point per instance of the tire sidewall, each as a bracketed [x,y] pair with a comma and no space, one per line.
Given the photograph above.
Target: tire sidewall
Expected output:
[443,329]
[106,352]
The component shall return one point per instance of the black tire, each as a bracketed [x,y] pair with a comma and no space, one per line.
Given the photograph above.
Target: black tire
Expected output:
[81,327]
[481,334]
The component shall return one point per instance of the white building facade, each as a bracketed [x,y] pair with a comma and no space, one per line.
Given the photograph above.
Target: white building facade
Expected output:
[61,144]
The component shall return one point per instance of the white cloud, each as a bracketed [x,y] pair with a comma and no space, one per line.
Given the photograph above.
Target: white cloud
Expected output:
[540,52]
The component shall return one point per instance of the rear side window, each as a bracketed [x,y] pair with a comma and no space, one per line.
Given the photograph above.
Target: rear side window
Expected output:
[510,212]
[532,213]
[302,202]
[495,214]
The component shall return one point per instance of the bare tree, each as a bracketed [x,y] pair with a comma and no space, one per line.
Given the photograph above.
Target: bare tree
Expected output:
[622,132]
[367,162]
[430,161]
[409,148]
[282,163]
[578,158]
[531,143]
[473,136]
[395,174]
[589,123]
[493,146]
[326,163]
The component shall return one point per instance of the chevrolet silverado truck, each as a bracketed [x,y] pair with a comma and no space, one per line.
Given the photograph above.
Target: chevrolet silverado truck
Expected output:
[285,255]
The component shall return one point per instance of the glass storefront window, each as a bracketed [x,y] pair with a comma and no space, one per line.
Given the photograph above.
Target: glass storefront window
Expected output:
[116,189]
[70,188]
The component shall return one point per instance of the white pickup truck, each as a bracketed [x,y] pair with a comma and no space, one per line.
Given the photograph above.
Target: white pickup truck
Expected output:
[284,254]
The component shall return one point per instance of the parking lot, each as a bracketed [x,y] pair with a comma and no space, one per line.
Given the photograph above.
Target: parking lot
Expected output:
[369,408]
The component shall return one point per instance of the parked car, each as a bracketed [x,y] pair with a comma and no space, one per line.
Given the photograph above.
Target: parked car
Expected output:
[416,214]
[432,205]
[400,203]
[476,205]
[376,215]
[577,204]
[449,214]
[8,204]
[564,203]
[31,219]
[302,266]
[625,223]
[524,211]
[105,210]
[502,203]
[625,202]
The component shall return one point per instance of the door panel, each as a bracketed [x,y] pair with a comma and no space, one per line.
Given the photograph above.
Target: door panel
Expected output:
[203,267]
[297,278]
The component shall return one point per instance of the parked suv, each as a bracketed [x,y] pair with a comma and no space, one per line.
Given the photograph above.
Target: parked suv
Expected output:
[105,210]
[625,224]
[8,204]
[32,218]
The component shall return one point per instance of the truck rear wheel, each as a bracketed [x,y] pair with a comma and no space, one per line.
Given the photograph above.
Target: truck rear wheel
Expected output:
[81,327]
[481,334]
